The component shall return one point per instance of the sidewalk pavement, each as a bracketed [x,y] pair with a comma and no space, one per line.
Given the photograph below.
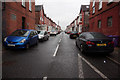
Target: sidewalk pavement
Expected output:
[115,55]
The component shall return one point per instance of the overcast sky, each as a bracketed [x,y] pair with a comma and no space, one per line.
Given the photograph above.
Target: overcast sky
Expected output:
[64,11]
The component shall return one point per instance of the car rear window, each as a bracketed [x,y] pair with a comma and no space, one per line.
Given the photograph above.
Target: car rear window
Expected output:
[74,32]
[98,35]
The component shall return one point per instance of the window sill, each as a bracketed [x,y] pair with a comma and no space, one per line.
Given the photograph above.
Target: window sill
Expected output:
[23,6]
[100,9]
[109,3]
[30,11]
[109,26]
[93,13]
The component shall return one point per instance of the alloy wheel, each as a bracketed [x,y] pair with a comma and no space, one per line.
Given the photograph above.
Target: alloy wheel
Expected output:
[81,48]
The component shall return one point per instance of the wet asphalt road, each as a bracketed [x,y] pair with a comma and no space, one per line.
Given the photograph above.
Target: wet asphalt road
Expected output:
[57,58]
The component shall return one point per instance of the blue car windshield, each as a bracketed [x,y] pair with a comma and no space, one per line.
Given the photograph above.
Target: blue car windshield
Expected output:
[21,33]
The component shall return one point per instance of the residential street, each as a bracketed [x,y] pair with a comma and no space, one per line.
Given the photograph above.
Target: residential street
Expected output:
[58,58]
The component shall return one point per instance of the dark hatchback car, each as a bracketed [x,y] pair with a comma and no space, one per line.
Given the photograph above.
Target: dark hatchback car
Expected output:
[94,42]
[74,34]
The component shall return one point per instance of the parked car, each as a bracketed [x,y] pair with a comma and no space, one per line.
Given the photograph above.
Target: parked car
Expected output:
[21,38]
[68,32]
[94,42]
[43,35]
[74,34]
[53,33]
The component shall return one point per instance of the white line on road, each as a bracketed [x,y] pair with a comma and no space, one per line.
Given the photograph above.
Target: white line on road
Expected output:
[60,40]
[80,68]
[56,50]
[94,68]
[113,60]
[44,78]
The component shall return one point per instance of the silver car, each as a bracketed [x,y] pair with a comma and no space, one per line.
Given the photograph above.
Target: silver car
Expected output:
[43,35]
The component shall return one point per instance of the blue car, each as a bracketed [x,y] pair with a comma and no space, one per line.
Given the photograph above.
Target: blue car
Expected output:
[21,38]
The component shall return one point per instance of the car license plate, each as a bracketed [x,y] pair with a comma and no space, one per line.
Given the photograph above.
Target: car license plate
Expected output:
[11,45]
[101,44]
[74,35]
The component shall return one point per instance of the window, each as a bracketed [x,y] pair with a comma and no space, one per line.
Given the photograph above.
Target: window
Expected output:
[109,21]
[41,19]
[23,22]
[93,3]
[100,4]
[3,5]
[31,34]
[109,1]
[82,36]
[23,3]
[80,18]
[98,35]
[93,6]
[87,6]
[30,7]
[99,23]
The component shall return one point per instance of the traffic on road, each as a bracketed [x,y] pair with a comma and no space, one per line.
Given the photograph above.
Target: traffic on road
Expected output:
[59,57]
[60,39]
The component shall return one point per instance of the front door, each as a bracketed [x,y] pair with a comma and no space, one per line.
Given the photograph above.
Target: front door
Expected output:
[23,22]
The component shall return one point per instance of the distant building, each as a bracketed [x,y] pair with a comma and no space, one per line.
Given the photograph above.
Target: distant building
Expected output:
[84,18]
[105,17]
[81,23]
[40,17]
[77,24]
[17,15]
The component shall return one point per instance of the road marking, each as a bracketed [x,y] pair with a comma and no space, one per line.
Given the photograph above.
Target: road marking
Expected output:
[113,60]
[56,50]
[45,78]
[94,68]
[60,40]
[80,68]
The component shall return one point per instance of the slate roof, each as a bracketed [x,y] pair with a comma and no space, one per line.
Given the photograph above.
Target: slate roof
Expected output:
[84,8]
[38,7]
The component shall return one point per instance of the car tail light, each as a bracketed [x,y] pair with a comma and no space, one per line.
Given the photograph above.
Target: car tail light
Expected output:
[111,43]
[90,43]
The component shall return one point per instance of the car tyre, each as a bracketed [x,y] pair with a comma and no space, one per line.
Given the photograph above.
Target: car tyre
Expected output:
[82,49]
[76,43]
[37,42]
[48,38]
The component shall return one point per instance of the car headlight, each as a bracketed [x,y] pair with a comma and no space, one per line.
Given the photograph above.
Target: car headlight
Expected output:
[22,41]
[5,39]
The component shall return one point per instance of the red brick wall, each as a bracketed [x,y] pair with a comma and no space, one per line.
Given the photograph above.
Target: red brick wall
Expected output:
[12,17]
[103,14]
[82,18]
[37,17]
